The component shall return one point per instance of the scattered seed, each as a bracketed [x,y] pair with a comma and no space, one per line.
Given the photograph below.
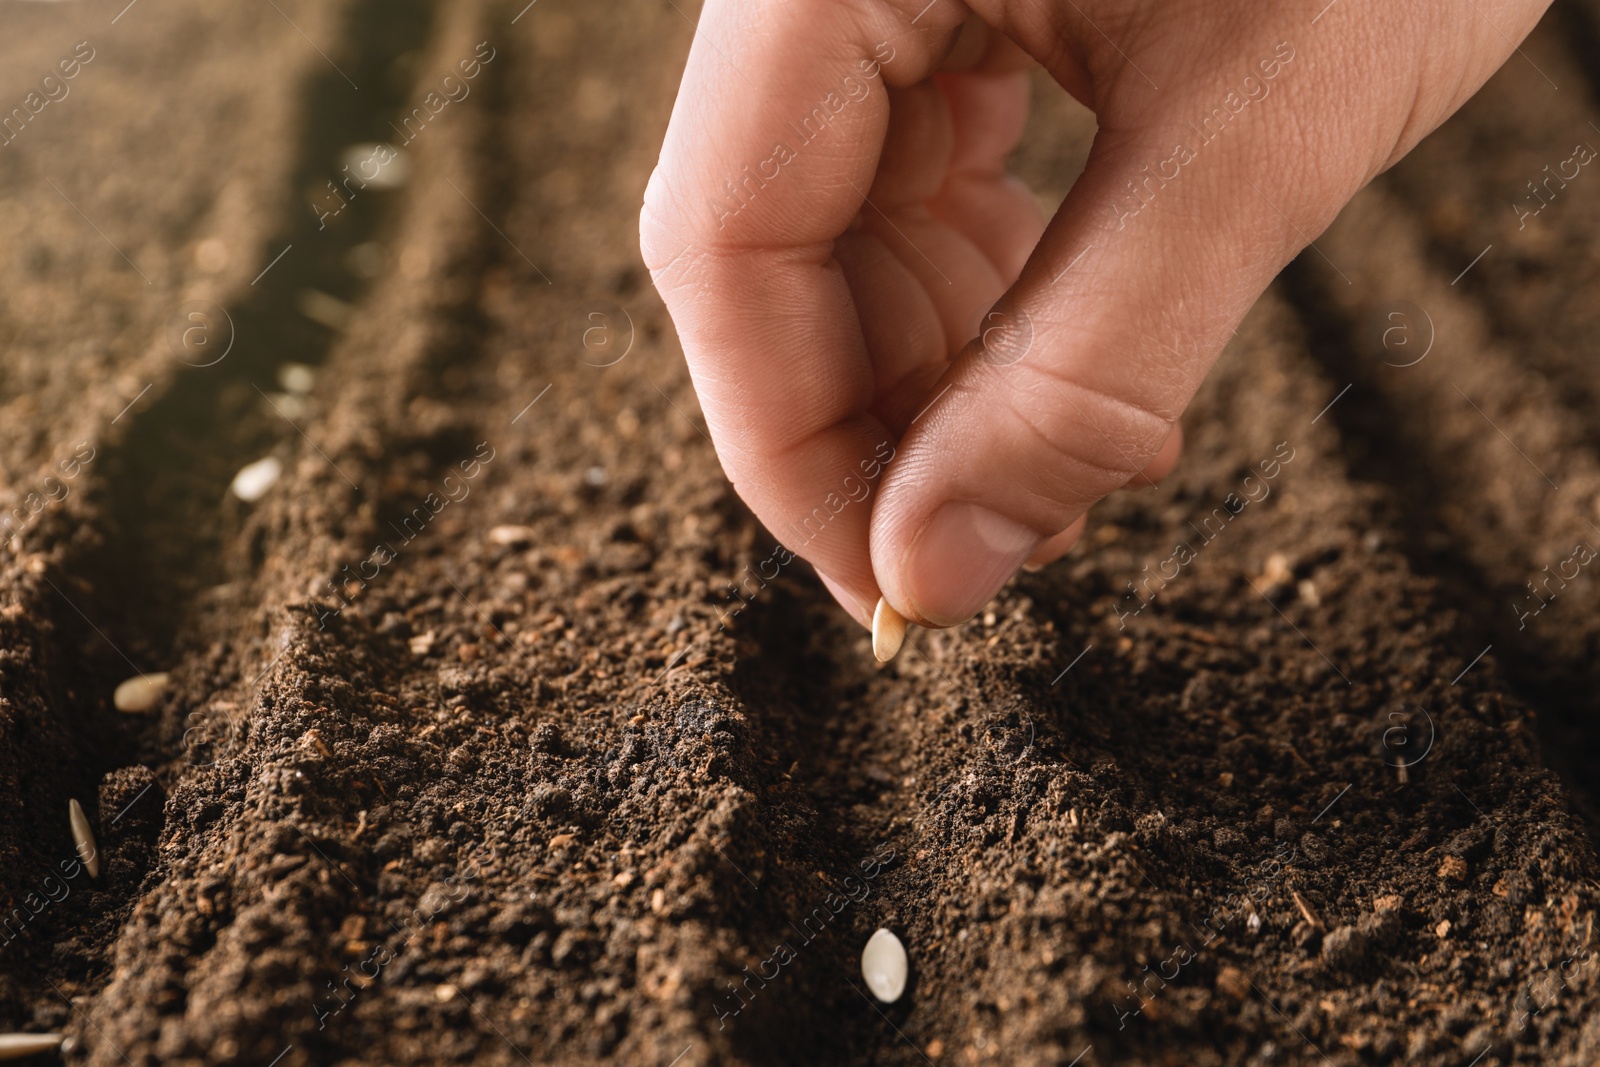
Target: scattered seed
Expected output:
[16,1046]
[511,535]
[888,632]
[289,406]
[422,643]
[83,837]
[884,966]
[376,166]
[297,378]
[254,479]
[324,310]
[140,692]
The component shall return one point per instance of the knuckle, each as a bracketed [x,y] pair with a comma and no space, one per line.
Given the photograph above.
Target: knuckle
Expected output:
[1088,441]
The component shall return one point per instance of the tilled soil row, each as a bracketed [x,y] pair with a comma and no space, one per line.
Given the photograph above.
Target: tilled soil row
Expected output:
[1467,332]
[491,736]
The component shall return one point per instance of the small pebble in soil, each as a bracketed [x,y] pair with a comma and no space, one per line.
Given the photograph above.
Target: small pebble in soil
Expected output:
[884,966]
[253,480]
[16,1046]
[140,692]
[1344,949]
[297,378]
[83,838]
[888,631]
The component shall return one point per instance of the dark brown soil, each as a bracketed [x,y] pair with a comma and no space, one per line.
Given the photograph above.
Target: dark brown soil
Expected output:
[484,745]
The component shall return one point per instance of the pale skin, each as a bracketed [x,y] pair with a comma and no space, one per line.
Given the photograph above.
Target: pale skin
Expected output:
[829,300]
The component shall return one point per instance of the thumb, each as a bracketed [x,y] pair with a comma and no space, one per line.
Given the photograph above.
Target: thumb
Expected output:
[1082,370]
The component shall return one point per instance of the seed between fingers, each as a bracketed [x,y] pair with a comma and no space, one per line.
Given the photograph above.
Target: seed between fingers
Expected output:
[888,631]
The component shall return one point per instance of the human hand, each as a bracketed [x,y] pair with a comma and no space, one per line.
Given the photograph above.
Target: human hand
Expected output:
[866,299]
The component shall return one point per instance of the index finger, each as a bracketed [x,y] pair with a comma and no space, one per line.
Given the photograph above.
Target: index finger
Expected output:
[773,142]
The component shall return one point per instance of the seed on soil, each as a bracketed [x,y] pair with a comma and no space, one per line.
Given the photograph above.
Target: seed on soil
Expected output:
[83,838]
[1277,571]
[324,310]
[511,535]
[884,966]
[377,166]
[16,1046]
[140,692]
[254,479]
[888,632]
[297,378]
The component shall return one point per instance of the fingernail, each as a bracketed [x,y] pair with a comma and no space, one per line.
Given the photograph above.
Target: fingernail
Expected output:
[888,631]
[961,559]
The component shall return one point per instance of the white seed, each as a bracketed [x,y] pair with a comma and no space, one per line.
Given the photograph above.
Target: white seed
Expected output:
[888,631]
[83,837]
[297,378]
[289,406]
[883,965]
[253,480]
[16,1046]
[376,166]
[140,692]
[324,310]
[512,535]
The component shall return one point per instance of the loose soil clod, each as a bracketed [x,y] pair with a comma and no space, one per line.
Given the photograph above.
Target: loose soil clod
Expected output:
[83,838]
[888,631]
